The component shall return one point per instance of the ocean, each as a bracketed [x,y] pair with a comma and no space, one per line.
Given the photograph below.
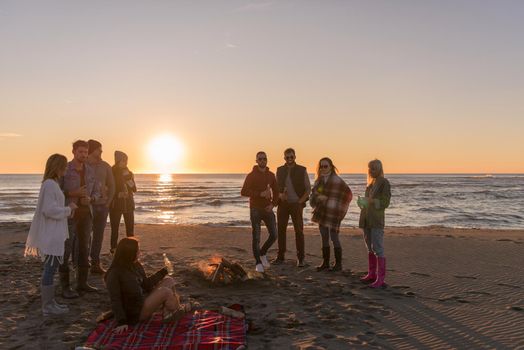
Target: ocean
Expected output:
[458,201]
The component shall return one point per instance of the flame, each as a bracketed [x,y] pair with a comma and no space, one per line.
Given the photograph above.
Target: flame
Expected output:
[207,267]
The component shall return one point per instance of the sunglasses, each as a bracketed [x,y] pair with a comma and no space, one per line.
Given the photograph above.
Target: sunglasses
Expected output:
[261,158]
[324,166]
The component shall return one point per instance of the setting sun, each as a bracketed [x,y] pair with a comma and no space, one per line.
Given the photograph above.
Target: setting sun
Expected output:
[166,152]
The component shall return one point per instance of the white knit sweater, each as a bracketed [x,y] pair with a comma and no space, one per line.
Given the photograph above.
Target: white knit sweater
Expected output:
[49,227]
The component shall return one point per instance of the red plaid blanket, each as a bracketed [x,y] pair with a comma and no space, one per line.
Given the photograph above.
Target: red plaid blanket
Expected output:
[200,330]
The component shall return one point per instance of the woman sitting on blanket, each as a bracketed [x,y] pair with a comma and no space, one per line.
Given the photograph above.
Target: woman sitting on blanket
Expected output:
[134,296]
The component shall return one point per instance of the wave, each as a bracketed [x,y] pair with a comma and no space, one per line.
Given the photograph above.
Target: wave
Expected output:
[19,209]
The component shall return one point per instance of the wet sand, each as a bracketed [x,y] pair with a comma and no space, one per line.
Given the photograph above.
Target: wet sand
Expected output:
[448,288]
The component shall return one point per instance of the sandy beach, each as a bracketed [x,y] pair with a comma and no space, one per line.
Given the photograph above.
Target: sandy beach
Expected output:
[448,288]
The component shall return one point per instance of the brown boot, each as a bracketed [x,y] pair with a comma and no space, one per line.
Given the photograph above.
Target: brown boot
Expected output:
[97,269]
[67,292]
[338,260]
[325,259]
[82,285]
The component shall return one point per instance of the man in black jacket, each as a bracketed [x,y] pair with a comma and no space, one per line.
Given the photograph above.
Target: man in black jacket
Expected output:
[294,188]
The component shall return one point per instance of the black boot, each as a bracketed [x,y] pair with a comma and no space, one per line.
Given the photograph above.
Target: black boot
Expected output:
[338,260]
[82,285]
[67,292]
[325,257]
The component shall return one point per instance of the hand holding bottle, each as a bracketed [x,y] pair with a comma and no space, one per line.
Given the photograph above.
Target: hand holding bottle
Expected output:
[168,265]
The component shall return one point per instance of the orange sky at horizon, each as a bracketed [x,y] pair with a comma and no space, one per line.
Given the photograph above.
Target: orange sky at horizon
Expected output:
[198,159]
[426,87]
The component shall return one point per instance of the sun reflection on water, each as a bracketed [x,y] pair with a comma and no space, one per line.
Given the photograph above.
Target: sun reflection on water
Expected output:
[165,178]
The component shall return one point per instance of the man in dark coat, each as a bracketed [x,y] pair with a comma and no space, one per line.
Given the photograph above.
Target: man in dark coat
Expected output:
[294,188]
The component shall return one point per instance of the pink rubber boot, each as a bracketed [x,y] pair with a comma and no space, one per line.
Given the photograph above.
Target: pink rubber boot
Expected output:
[372,268]
[381,274]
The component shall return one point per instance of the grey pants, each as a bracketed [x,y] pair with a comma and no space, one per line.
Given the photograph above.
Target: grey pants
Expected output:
[374,238]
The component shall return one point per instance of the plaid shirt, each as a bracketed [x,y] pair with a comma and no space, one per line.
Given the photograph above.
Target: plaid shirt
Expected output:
[331,212]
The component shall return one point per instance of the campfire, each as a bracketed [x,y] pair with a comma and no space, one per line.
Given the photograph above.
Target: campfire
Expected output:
[222,271]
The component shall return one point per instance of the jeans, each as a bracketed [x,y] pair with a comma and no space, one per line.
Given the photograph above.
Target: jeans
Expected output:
[50,265]
[79,235]
[114,218]
[284,211]
[99,224]
[374,238]
[326,233]
[257,216]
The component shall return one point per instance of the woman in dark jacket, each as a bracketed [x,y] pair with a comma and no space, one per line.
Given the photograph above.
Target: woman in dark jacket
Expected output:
[372,219]
[134,296]
[123,202]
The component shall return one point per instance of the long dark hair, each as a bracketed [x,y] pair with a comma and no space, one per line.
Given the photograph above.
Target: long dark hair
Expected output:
[126,252]
[333,167]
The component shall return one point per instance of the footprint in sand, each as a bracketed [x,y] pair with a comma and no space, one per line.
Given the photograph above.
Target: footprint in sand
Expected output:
[420,274]
[236,249]
[508,285]
[199,249]
[515,308]
[400,287]
[465,277]
[479,293]
[456,298]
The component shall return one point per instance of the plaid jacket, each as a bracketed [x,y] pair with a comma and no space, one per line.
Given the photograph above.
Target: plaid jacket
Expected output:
[331,212]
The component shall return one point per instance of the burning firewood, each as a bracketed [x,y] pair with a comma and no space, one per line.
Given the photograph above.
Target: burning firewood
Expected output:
[225,272]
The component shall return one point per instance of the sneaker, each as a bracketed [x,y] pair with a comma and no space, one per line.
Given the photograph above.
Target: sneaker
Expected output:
[259,268]
[265,263]
[300,263]
[52,309]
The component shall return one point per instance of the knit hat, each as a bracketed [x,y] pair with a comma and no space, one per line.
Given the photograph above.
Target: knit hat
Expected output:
[93,145]
[119,156]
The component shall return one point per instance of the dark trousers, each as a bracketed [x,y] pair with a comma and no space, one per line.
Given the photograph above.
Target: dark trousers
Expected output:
[79,236]
[99,224]
[284,211]
[326,233]
[129,219]
[268,217]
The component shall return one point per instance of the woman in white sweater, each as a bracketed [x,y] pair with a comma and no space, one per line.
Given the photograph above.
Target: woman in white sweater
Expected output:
[49,231]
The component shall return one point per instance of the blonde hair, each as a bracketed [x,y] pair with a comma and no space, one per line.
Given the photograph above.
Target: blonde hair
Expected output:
[375,164]
[54,164]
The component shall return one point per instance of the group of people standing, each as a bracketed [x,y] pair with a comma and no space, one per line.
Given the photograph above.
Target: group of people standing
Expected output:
[75,200]
[329,197]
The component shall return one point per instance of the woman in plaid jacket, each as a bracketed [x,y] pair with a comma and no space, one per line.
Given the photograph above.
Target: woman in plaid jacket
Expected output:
[330,200]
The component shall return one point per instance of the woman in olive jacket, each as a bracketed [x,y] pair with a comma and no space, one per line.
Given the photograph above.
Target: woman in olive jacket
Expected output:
[372,220]
[135,296]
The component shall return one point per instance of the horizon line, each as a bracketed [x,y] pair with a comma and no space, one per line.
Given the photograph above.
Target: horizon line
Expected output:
[244,173]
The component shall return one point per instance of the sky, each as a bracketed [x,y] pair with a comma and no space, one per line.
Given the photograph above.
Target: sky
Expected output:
[425,86]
